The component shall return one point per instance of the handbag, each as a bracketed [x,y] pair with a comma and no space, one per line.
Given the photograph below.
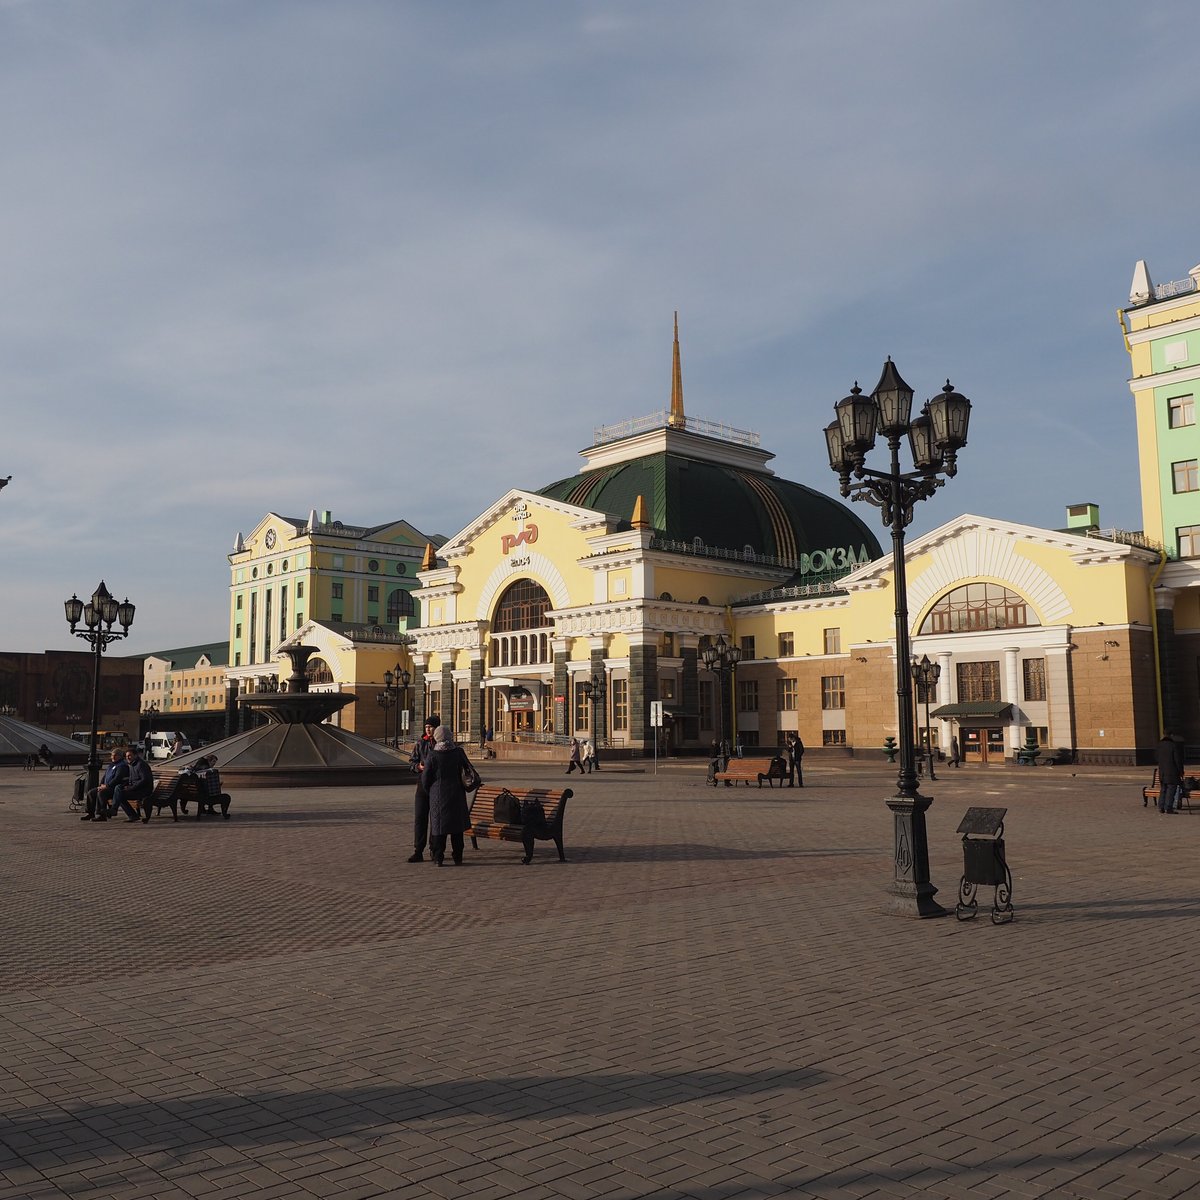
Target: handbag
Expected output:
[470,776]
[507,809]
[532,812]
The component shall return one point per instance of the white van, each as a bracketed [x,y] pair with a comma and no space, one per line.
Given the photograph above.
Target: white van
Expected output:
[158,745]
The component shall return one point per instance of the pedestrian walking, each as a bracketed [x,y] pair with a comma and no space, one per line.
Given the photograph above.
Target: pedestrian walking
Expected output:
[1169,756]
[587,756]
[573,761]
[955,753]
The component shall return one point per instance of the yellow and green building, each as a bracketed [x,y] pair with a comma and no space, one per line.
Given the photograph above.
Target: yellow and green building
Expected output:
[574,607]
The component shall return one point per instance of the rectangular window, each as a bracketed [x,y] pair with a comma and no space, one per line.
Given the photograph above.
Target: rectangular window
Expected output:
[747,695]
[747,648]
[787,645]
[978,681]
[237,630]
[238,602]
[337,616]
[583,705]
[1188,541]
[833,641]
[336,594]
[788,694]
[620,703]
[668,645]
[1184,475]
[833,691]
[463,731]
[666,688]
[373,593]
[1034,670]
[1181,411]
[748,738]
[283,611]
[237,658]
[299,589]
[833,737]
[253,628]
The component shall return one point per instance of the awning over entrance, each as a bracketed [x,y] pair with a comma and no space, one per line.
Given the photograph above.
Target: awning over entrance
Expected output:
[974,708]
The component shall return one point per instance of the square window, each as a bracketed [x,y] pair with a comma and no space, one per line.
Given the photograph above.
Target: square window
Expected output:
[1181,411]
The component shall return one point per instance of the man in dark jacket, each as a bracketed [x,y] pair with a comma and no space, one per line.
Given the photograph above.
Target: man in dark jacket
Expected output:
[419,758]
[99,798]
[139,786]
[1169,755]
[795,748]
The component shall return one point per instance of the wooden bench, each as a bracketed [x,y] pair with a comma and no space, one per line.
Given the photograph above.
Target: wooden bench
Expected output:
[485,825]
[749,770]
[1190,781]
[176,793]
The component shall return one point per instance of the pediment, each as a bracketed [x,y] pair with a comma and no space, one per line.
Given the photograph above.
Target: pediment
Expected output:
[509,509]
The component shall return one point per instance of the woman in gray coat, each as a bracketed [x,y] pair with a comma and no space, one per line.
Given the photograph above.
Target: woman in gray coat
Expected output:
[448,811]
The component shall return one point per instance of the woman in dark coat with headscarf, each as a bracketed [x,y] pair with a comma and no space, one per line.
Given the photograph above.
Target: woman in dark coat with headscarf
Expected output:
[448,811]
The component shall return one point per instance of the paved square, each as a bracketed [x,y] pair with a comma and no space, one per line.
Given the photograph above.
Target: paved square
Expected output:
[704,1002]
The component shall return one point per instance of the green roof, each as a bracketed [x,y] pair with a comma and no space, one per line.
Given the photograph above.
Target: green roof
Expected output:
[724,506]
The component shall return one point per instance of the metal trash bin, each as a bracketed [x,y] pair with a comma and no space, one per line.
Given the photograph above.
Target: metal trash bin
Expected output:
[984,865]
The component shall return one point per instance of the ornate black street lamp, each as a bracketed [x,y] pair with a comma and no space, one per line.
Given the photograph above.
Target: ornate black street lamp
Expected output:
[385,700]
[396,683]
[935,438]
[721,659]
[925,675]
[148,715]
[593,692]
[44,710]
[99,615]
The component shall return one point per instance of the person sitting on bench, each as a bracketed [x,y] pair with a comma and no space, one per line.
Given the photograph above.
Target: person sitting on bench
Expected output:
[139,786]
[100,798]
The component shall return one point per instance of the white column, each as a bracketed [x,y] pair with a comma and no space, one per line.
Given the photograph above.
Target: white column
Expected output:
[1010,694]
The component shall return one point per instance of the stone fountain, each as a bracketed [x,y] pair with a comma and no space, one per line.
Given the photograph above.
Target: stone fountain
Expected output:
[296,748]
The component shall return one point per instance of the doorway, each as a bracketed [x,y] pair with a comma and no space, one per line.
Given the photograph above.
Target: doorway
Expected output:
[982,745]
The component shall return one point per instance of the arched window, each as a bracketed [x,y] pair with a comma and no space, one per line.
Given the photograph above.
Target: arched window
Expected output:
[318,671]
[523,605]
[978,606]
[400,604]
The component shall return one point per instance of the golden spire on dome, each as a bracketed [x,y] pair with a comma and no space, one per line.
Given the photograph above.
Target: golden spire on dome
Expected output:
[429,562]
[640,520]
[676,420]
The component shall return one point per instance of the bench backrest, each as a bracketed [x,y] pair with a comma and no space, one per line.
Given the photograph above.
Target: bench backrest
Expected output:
[483,801]
[751,765]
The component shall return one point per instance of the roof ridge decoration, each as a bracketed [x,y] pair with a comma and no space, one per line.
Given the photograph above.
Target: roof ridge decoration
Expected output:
[676,420]
[429,561]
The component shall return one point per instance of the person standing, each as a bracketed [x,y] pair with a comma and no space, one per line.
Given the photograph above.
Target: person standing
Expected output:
[955,752]
[795,761]
[419,758]
[1169,756]
[573,761]
[100,798]
[449,814]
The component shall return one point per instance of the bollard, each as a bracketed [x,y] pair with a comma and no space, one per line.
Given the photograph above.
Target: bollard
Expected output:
[984,865]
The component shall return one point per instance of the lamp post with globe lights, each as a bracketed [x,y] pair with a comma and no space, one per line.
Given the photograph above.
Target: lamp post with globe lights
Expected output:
[926,674]
[99,614]
[934,436]
[721,658]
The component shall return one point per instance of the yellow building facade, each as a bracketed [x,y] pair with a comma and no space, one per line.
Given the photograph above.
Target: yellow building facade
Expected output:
[580,608]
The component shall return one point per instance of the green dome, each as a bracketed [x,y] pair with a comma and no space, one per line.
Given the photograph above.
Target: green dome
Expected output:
[726,507]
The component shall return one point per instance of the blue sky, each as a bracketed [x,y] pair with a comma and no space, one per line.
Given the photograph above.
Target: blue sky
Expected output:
[392,259]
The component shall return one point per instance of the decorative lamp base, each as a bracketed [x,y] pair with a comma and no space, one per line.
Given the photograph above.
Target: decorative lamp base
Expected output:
[912,892]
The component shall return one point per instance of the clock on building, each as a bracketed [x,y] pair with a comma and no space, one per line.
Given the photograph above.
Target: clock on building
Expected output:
[270,539]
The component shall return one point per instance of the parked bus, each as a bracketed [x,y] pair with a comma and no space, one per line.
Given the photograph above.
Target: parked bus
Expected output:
[106,739]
